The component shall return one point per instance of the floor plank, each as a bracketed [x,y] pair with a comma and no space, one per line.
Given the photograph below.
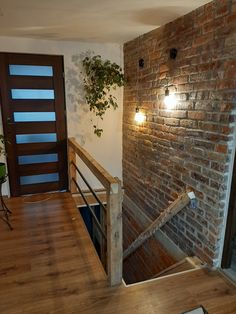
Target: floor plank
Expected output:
[48,265]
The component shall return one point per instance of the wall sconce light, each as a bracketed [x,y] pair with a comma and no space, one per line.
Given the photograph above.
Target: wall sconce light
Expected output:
[139,117]
[170,99]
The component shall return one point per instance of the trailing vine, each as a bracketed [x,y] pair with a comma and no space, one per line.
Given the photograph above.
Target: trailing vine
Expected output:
[101,77]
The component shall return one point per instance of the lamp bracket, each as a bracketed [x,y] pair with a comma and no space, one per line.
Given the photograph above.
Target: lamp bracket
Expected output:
[141,63]
[173,53]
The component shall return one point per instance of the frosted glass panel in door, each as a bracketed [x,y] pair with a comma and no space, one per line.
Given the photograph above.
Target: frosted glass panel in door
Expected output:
[36,138]
[40,178]
[31,70]
[34,116]
[32,93]
[34,159]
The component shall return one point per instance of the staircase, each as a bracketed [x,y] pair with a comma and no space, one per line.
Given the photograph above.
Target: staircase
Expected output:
[139,266]
[188,263]
[152,259]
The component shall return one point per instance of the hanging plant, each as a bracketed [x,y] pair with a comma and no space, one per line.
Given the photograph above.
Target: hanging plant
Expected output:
[101,77]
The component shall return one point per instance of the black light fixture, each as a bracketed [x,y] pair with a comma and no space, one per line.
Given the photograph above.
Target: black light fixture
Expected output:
[170,99]
[173,53]
[139,116]
[141,63]
[167,92]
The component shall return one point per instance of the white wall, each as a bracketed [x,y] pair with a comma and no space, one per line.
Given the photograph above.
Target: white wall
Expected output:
[107,150]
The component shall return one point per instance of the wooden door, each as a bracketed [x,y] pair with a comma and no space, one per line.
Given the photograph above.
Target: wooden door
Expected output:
[231,225]
[34,122]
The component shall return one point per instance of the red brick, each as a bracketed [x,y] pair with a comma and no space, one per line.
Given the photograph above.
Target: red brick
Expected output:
[196,115]
[164,68]
[231,18]
[181,79]
[171,121]
[209,27]
[222,10]
[202,40]
[221,148]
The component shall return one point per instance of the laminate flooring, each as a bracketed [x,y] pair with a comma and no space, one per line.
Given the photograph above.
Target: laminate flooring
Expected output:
[48,265]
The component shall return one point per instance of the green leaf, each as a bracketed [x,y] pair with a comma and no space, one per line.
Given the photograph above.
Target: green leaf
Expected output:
[101,77]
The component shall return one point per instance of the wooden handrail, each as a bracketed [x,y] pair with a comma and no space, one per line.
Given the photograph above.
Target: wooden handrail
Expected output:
[182,201]
[101,174]
[113,220]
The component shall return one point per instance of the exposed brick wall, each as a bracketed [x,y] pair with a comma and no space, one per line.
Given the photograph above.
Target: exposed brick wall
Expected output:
[192,144]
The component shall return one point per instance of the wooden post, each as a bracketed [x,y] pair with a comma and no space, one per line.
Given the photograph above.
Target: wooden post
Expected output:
[114,234]
[72,170]
[182,201]
[103,252]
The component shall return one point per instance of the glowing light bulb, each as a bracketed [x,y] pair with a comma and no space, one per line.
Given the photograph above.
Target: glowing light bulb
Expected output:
[170,100]
[139,117]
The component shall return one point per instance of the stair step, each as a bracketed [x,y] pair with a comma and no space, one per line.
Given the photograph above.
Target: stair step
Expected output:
[187,263]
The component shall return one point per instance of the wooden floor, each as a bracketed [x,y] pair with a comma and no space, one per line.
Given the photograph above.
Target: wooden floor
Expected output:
[48,265]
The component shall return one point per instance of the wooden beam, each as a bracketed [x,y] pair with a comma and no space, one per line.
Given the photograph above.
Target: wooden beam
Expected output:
[182,201]
[114,234]
[100,173]
[72,171]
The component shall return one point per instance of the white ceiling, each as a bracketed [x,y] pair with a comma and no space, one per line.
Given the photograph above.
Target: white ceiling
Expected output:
[89,20]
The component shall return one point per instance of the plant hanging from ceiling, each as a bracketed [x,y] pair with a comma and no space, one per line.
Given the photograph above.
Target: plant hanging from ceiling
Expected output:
[101,77]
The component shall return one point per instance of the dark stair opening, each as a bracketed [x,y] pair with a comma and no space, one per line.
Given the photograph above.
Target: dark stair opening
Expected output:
[151,259]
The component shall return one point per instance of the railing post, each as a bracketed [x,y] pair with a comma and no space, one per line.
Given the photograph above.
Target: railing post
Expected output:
[103,252]
[114,234]
[72,170]
[112,258]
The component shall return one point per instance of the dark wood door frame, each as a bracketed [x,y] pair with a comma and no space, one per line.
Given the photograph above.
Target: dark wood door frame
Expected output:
[231,224]
[7,118]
